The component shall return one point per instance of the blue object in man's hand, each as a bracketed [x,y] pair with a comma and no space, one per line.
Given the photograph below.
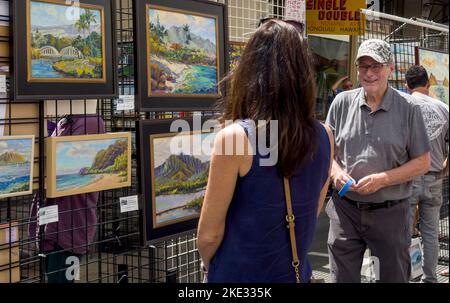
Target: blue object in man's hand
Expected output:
[345,188]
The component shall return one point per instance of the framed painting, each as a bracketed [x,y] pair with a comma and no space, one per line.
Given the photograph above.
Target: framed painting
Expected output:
[174,169]
[83,164]
[234,52]
[63,50]
[180,51]
[436,64]
[16,165]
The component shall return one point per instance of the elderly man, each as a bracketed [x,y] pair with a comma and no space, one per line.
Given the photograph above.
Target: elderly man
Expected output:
[381,144]
[427,189]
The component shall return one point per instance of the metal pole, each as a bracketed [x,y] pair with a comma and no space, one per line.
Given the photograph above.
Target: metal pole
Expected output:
[41,188]
[435,26]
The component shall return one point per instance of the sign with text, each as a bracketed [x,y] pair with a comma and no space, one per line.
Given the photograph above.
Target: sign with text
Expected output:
[295,10]
[335,17]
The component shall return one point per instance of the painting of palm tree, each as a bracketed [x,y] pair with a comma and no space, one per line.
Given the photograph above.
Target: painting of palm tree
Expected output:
[182,50]
[62,48]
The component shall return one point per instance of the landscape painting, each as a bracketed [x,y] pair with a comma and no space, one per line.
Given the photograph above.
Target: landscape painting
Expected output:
[179,177]
[16,165]
[235,51]
[436,64]
[182,50]
[64,43]
[81,164]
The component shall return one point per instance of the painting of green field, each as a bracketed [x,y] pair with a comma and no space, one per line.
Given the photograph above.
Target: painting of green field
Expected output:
[65,46]
[182,53]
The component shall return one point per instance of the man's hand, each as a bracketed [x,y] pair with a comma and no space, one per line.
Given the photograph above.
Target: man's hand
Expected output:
[340,179]
[370,184]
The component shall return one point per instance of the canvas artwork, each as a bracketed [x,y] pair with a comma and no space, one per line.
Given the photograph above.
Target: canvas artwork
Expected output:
[81,164]
[179,177]
[182,50]
[404,58]
[436,64]
[16,165]
[65,45]
[235,51]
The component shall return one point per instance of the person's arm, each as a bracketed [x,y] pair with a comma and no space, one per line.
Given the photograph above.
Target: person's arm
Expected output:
[323,192]
[408,171]
[337,83]
[223,173]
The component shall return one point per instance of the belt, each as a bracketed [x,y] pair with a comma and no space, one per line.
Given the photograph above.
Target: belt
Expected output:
[371,205]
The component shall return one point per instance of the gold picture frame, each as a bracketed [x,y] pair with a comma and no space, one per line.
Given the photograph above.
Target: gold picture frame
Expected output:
[74,177]
[65,80]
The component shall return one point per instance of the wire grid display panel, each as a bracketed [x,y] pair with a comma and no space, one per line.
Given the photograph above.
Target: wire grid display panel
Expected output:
[404,38]
[243,16]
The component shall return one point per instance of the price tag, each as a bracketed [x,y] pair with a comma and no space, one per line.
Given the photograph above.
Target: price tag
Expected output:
[48,215]
[128,204]
[125,102]
[2,84]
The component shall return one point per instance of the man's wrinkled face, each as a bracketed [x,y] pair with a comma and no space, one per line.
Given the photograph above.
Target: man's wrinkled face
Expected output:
[373,75]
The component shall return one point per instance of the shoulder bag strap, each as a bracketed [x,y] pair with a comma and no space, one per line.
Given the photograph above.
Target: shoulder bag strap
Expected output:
[290,218]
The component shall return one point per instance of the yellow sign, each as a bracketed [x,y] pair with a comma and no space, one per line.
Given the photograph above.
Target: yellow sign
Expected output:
[335,17]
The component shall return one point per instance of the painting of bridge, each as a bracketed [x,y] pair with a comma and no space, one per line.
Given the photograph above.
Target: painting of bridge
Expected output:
[65,47]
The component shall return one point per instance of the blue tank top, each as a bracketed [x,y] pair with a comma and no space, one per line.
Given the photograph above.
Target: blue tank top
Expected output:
[256,246]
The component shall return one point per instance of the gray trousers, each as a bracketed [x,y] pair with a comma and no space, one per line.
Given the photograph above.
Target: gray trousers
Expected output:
[385,231]
[427,193]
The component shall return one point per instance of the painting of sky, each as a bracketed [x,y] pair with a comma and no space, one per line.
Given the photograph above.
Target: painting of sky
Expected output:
[72,156]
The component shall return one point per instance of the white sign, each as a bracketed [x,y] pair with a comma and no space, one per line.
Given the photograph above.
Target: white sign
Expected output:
[295,10]
[125,102]
[48,215]
[2,84]
[128,204]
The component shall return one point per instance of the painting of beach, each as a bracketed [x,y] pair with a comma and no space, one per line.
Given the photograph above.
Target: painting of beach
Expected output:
[179,176]
[182,50]
[16,165]
[65,45]
[436,64]
[82,164]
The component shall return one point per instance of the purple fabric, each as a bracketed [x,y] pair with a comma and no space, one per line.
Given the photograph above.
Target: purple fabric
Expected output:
[76,227]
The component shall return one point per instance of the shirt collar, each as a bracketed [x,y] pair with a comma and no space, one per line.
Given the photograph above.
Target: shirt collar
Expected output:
[385,103]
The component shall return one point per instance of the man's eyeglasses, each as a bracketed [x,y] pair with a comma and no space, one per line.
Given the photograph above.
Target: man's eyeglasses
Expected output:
[376,67]
[299,25]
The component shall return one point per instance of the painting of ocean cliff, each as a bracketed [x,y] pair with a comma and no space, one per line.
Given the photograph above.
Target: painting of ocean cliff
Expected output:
[16,165]
[182,50]
[179,176]
[65,44]
[82,164]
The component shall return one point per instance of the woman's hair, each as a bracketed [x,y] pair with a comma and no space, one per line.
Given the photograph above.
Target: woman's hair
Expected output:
[275,81]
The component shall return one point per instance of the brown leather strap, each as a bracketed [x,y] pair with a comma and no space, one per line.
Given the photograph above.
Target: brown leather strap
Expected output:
[290,218]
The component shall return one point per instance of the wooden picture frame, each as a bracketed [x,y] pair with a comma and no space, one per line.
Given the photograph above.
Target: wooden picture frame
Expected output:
[16,163]
[180,195]
[179,66]
[437,65]
[104,160]
[71,54]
